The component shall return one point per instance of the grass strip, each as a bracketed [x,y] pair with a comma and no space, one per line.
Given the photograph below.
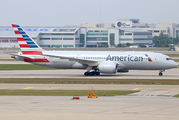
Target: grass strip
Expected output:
[89,81]
[172,55]
[176,60]
[23,67]
[64,92]
[176,95]
[9,60]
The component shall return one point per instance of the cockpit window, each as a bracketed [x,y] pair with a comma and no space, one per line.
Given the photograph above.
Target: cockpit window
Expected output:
[168,58]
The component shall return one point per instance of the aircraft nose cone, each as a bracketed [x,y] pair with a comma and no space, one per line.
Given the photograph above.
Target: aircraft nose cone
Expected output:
[175,65]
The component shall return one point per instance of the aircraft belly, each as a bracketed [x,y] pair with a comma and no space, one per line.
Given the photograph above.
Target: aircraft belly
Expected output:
[65,64]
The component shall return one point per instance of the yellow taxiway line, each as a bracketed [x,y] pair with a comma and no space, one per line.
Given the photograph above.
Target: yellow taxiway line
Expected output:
[135,88]
[28,87]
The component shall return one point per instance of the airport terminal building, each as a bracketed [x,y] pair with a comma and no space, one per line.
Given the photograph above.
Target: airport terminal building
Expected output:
[82,36]
[90,35]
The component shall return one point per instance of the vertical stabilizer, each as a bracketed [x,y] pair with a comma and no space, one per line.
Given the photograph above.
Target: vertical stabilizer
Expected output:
[27,45]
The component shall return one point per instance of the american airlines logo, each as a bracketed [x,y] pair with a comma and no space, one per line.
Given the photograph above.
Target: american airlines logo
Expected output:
[124,58]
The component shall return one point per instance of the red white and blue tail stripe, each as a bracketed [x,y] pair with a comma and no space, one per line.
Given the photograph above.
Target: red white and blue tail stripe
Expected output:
[27,44]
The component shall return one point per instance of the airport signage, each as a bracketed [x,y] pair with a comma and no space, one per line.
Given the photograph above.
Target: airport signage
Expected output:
[11,41]
[124,24]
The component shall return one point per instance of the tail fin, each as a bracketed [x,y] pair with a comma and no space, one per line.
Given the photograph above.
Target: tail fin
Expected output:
[27,45]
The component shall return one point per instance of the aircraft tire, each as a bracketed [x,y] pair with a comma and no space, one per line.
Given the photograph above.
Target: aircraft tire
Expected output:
[86,74]
[160,74]
[97,73]
[91,73]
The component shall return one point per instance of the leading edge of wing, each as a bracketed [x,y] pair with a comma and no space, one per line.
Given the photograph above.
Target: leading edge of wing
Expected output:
[82,61]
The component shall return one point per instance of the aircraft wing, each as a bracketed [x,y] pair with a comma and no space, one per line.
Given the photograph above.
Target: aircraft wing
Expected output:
[82,61]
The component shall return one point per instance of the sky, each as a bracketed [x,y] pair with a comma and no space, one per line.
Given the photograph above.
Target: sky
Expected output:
[74,12]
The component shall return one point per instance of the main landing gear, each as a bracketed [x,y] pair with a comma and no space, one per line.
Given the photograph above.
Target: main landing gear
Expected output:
[160,73]
[88,73]
[91,73]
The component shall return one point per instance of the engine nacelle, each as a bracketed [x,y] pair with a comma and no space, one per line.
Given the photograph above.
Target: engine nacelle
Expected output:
[108,67]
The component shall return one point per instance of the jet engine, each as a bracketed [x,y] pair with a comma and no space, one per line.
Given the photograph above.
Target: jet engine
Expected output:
[108,67]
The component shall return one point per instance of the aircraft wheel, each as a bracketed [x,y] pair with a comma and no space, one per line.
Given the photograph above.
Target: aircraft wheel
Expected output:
[93,73]
[86,74]
[160,74]
[97,73]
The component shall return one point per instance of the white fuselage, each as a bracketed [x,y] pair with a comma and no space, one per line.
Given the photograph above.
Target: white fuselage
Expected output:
[125,60]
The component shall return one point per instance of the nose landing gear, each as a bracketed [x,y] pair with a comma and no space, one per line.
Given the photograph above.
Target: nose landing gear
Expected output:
[160,73]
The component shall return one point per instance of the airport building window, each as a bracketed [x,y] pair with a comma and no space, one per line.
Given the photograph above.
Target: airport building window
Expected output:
[142,38]
[62,34]
[44,38]
[163,31]
[112,38]
[56,38]
[44,45]
[142,33]
[56,45]
[156,31]
[56,34]
[97,38]
[177,33]
[97,33]
[125,38]
[68,45]
[82,40]
[150,31]
[76,38]
[68,34]
[68,38]
[45,34]
[128,33]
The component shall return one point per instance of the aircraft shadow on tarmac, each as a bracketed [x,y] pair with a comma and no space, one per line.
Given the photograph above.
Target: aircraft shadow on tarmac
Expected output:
[101,75]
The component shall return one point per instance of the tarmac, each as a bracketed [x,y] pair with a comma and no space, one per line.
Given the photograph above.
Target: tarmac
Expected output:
[132,74]
[152,102]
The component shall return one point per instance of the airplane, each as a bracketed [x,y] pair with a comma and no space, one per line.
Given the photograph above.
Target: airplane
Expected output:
[95,62]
